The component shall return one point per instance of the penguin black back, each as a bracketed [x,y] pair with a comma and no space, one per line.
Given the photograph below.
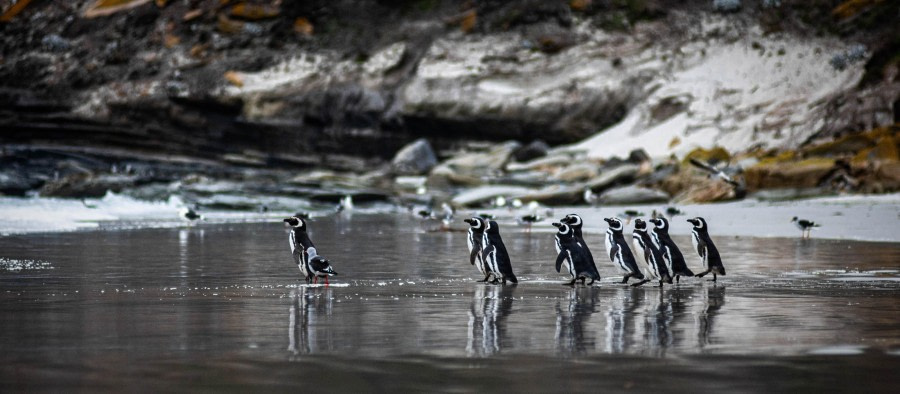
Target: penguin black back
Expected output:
[674,259]
[574,256]
[476,246]
[703,244]
[619,251]
[656,265]
[496,255]
[300,243]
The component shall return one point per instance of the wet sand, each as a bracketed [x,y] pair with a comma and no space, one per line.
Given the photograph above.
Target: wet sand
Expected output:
[218,306]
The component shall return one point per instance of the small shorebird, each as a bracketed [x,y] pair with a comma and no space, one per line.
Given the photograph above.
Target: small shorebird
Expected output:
[805,226]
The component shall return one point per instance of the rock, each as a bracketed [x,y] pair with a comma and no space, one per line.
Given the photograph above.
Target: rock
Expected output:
[534,150]
[712,156]
[17,183]
[638,156]
[417,158]
[471,168]
[787,194]
[617,175]
[385,60]
[546,163]
[577,173]
[796,174]
[633,195]
[484,194]
[704,190]
[556,195]
[87,185]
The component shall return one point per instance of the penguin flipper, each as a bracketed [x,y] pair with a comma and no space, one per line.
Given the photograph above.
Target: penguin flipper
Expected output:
[613,251]
[560,259]
[474,255]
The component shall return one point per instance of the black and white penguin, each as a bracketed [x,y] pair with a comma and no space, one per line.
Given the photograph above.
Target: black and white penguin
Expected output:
[619,252]
[670,252]
[575,223]
[495,255]
[705,247]
[574,256]
[476,236]
[805,226]
[318,266]
[300,243]
[646,249]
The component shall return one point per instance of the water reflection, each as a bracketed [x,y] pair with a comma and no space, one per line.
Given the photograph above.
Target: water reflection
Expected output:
[308,306]
[488,311]
[621,318]
[657,325]
[573,336]
[713,300]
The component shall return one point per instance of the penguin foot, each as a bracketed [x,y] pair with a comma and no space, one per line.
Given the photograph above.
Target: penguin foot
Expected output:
[572,283]
[661,284]
[639,283]
[495,281]
[592,282]
[700,275]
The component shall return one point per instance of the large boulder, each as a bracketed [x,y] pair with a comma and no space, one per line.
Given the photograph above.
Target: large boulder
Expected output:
[792,174]
[417,158]
[472,168]
[633,195]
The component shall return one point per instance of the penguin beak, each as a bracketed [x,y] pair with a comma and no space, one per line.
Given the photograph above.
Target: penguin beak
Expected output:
[607,220]
[470,221]
[287,220]
[556,224]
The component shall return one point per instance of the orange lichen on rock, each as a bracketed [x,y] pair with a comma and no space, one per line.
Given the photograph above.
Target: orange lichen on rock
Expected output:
[191,15]
[850,8]
[254,11]
[109,7]
[16,8]
[235,78]
[303,26]
[467,23]
[226,25]
[580,5]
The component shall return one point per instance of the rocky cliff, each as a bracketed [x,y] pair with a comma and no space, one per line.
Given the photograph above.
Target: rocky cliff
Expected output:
[345,84]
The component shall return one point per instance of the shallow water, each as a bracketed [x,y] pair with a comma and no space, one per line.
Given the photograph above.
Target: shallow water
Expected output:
[218,305]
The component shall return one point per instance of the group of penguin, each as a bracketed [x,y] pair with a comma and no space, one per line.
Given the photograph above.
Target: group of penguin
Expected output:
[662,258]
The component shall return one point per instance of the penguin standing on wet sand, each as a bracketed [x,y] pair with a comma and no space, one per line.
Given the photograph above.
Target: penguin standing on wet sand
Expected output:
[619,252]
[495,255]
[476,235]
[300,243]
[575,223]
[573,255]
[644,247]
[704,246]
[671,254]
[318,266]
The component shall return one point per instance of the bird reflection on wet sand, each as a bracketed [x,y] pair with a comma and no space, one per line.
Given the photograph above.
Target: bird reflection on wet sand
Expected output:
[490,307]
[308,305]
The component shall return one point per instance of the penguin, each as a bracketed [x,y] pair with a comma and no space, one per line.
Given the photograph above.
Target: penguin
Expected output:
[670,252]
[300,243]
[495,255]
[619,252]
[805,226]
[575,223]
[705,247]
[476,235]
[574,256]
[644,247]
[318,266]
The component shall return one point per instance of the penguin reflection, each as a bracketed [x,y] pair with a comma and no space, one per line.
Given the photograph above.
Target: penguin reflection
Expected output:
[572,316]
[487,319]
[307,306]
[657,325]
[715,298]
[622,307]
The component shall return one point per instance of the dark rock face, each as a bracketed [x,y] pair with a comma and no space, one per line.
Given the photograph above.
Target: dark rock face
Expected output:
[534,150]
